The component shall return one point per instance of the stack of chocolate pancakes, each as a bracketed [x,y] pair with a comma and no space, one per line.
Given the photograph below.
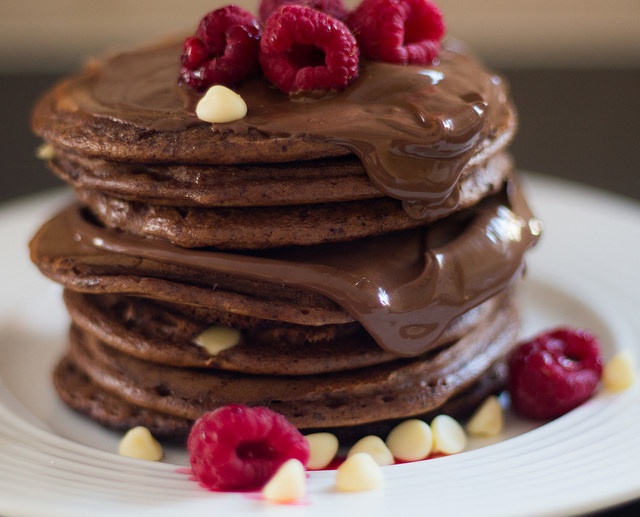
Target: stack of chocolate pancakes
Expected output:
[364,246]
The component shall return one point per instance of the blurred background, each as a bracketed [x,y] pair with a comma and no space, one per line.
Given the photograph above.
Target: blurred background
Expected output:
[573,65]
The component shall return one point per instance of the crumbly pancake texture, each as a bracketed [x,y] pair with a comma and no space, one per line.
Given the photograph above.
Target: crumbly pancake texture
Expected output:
[364,246]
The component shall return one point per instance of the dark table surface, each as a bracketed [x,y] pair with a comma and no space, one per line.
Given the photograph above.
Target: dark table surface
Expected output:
[581,125]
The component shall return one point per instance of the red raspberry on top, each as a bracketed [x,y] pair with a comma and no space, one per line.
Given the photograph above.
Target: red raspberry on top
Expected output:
[398,31]
[554,373]
[238,447]
[304,50]
[333,8]
[224,49]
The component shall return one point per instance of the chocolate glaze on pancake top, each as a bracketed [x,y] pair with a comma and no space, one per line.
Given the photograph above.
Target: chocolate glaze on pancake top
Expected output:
[397,252]
[415,128]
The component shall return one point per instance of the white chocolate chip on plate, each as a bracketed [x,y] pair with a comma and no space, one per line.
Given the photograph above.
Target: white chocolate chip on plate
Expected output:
[324,447]
[220,104]
[411,440]
[138,442]
[620,371]
[218,338]
[359,473]
[374,447]
[488,419]
[288,484]
[449,436]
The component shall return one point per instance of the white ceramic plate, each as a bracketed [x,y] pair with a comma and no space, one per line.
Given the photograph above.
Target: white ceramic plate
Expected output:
[583,273]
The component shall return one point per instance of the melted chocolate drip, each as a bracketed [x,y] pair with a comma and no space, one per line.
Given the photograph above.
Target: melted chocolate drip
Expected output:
[414,128]
[402,290]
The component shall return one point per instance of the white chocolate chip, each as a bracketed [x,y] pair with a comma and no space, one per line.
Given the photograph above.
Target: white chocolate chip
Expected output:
[359,473]
[220,104]
[216,339]
[620,371]
[411,440]
[139,443]
[374,447]
[45,151]
[488,419]
[288,484]
[448,435]
[324,447]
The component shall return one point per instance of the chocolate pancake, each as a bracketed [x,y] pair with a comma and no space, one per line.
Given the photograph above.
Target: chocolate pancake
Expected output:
[483,251]
[266,184]
[251,228]
[131,109]
[400,389]
[80,393]
[365,243]
[280,184]
[275,226]
[164,334]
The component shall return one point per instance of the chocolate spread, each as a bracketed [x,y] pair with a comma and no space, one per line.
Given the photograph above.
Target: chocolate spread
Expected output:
[415,128]
[403,291]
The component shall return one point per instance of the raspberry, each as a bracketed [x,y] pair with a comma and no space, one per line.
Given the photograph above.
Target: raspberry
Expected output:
[398,31]
[304,50]
[554,373]
[224,49]
[333,8]
[237,447]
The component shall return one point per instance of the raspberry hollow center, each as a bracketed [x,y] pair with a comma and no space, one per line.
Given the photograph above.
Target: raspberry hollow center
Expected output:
[301,55]
[413,30]
[256,449]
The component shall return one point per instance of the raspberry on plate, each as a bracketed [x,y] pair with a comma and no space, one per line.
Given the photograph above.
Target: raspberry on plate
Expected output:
[333,8]
[398,31]
[554,373]
[224,49]
[305,50]
[237,447]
